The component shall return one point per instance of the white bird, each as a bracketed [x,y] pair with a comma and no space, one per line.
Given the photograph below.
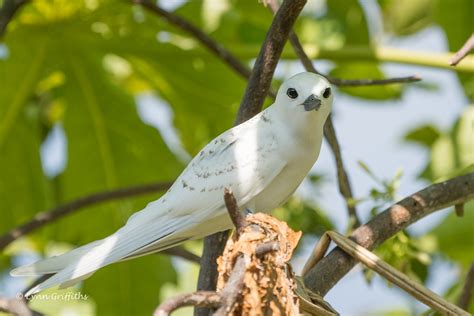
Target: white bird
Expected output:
[262,161]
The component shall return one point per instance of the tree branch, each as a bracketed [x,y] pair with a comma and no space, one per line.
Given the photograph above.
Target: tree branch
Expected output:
[465,49]
[270,52]
[372,82]
[235,215]
[7,12]
[342,177]
[46,217]
[323,276]
[467,290]
[308,65]
[182,253]
[200,298]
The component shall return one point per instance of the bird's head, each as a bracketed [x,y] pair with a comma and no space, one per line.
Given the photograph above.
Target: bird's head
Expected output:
[305,97]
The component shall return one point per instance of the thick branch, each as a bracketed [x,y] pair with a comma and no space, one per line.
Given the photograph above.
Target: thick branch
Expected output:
[323,276]
[465,49]
[7,12]
[200,298]
[262,73]
[43,218]
[213,247]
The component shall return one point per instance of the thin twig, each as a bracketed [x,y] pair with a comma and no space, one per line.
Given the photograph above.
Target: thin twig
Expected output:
[182,253]
[468,289]
[46,217]
[324,275]
[465,49]
[199,298]
[342,177]
[198,34]
[7,12]
[372,82]
[233,209]
[459,209]
[329,131]
[270,246]
[309,66]
[230,293]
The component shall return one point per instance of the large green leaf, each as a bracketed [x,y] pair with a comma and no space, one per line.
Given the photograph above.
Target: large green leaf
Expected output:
[131,287]
[406,17]
[23,186]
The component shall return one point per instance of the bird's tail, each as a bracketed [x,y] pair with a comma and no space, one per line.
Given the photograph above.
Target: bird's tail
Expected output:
[141,235]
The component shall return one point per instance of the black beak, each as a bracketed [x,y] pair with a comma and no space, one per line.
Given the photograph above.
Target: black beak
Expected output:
[311,103]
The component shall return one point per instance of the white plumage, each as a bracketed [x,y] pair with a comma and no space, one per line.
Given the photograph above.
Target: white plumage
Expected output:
[262,161]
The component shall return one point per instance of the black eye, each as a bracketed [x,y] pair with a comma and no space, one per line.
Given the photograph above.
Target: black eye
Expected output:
[291,92]
[327,93]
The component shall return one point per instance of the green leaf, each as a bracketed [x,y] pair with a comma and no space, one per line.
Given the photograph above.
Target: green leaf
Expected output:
[131,287]
[455,238]
[424,135]
[452,153]
[406,17]
[23,187]
[304,217]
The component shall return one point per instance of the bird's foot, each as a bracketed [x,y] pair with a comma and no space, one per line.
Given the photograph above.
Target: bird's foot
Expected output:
[247,211]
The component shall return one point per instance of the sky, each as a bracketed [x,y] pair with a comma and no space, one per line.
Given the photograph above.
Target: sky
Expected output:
[370,131]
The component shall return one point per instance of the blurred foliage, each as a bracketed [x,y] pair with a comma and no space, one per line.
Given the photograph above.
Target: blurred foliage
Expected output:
[452,152]
[454,17]
[81,65]
[301,216]
[412,256]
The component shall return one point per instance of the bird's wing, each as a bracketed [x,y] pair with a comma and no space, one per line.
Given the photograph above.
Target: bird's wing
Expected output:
[244,159]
